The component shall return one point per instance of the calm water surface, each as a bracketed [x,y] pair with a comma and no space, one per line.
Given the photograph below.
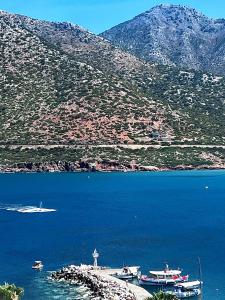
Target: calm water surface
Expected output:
[143,219]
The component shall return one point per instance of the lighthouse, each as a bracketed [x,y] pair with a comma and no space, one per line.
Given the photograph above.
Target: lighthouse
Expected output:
[95,255]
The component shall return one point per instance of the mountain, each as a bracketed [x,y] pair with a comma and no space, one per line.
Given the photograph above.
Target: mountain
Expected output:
[174,35]
[62,85]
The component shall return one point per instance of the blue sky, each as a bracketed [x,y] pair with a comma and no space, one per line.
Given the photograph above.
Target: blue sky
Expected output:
[99,15]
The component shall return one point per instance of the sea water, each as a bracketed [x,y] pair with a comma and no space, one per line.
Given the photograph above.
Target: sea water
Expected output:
[145,219]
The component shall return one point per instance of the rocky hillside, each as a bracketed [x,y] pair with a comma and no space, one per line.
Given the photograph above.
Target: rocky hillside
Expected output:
[174,35]
[49,96]
[61,84]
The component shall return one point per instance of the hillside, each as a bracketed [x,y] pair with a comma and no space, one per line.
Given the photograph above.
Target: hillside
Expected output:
[49,96]
[62,85]
[70,86]
[174,35]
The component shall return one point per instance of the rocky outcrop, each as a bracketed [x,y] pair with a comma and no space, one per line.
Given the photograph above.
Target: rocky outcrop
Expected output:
[62,166]
[97,166]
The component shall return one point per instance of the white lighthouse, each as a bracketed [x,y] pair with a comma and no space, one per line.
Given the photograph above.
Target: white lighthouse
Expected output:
[95,255]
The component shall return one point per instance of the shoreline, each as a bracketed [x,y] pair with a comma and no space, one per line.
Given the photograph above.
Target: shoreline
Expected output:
[129,158]
[106,167]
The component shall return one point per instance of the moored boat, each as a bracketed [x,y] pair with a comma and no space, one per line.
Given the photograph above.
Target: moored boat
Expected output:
[186,289]
[165,277]
[128,273]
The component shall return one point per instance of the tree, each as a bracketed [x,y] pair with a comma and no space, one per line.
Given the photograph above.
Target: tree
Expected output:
[10,292]
[162,296]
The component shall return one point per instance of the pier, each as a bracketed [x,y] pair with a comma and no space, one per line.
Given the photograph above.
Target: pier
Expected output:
[139,292]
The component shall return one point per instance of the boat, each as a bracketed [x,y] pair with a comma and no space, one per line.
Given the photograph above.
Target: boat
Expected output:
[128,273]
[34,209]
[186,289]
[38,265]
[165,277]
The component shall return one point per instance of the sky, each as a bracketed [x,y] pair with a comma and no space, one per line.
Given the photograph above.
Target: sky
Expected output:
[99,15]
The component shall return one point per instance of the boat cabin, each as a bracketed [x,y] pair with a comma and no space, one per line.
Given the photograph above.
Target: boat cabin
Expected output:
[166,274]
[131,270]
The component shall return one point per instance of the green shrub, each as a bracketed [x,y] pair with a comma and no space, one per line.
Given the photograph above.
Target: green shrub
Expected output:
[10,292]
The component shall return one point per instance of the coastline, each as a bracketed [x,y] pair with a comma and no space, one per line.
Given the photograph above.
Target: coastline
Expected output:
[105,166]
[110,158]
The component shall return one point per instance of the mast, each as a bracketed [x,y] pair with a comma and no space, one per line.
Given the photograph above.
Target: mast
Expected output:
[200,276]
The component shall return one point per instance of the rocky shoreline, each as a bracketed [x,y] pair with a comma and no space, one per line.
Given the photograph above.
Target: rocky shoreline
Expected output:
[97,286]
[96,166]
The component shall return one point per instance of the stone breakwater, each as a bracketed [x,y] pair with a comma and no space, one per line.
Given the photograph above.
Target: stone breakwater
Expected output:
[99,287]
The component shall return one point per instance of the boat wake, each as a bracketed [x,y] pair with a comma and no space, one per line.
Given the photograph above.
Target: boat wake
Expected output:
[25,209]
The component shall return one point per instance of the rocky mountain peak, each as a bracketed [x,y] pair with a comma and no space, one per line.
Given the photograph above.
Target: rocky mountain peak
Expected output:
[178,15]
[173,35]
[170,8]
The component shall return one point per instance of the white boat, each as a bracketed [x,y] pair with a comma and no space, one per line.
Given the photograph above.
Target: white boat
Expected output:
[128,273]
[33,209]
[38,265]
[186,289]
[165,277]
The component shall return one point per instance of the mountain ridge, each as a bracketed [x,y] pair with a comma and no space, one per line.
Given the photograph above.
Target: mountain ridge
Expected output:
[173,35]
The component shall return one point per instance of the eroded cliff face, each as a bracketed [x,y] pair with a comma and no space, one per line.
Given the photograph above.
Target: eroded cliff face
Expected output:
[79,166]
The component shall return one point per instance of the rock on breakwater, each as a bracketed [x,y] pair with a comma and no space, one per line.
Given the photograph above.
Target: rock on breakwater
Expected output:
[99,286]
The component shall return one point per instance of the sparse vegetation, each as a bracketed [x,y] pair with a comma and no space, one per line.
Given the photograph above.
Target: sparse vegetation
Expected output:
[164,158]
[173,35]
[63,85]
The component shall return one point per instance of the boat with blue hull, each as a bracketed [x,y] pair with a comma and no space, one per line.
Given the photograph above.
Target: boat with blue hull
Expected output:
[186,289]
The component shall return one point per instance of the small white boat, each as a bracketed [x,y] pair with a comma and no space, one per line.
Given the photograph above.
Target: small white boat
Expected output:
[128,273]
[165,277]
[33,209]
[186,289]
[38,265]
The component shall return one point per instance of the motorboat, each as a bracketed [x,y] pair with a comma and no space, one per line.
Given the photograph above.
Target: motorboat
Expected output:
[38,265]
[128,273]
[34,209]
[186,289]
[165,277]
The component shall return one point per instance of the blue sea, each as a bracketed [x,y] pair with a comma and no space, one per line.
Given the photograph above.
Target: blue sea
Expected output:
[145,219]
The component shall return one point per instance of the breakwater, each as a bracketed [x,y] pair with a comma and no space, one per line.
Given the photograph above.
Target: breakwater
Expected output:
[100,285]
